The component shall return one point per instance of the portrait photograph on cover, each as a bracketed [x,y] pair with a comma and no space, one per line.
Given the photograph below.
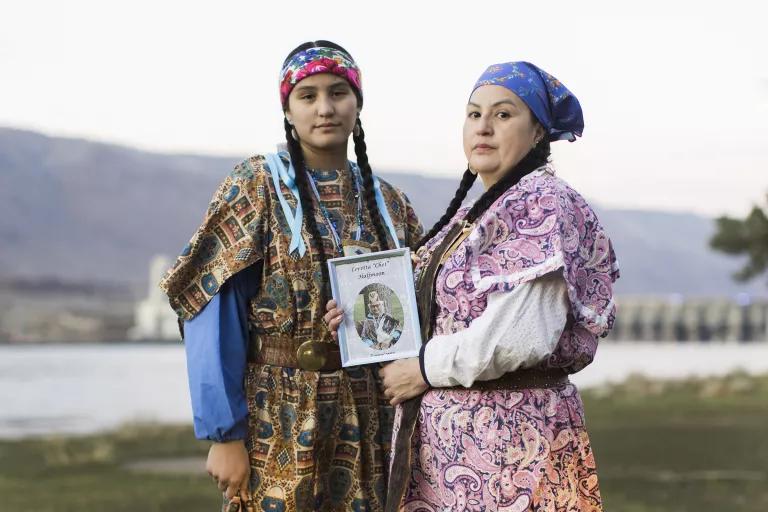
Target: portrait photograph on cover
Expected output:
[376,292]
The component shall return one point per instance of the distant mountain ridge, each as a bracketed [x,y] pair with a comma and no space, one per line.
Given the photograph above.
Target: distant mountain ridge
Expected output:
[84,211]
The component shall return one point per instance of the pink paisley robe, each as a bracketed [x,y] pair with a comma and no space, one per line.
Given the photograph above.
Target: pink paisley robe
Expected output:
[528,449]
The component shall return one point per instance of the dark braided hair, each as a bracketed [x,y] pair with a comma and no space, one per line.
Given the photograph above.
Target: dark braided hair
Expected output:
[302,183]
[360,152]
[368,190]
[535,158]
[307,206]
[467,180]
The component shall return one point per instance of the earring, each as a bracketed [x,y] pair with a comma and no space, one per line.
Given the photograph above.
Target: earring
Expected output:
[356,129]
[536,141]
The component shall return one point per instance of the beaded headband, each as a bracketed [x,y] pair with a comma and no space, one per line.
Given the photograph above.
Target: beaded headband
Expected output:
[318,60]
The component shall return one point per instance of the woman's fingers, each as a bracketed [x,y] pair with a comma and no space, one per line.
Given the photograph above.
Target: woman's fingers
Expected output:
[333,318]
[330,305]
[335,322]
[332,314]
[232,490]
[402,380]
[229,465]
[245,494]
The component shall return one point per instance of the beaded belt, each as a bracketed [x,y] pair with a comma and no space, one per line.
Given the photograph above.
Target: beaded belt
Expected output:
[288,353]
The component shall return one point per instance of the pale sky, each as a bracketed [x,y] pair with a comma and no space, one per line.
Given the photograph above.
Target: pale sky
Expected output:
[675,94]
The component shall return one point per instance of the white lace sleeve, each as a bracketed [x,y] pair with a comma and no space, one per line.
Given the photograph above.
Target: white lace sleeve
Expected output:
[519,328]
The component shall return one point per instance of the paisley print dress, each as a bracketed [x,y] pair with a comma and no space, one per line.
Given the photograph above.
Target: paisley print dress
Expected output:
[528,449]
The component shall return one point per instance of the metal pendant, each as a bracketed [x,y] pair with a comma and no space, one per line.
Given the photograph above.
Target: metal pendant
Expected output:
[312,355]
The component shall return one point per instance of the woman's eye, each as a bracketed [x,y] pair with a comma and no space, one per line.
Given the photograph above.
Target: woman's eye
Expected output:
[473,115]
[503,115]
[307,96]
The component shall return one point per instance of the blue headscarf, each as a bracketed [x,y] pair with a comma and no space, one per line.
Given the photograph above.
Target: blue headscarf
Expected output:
[553,105]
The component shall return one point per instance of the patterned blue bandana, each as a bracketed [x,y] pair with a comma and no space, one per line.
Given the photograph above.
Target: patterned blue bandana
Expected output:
[553,105]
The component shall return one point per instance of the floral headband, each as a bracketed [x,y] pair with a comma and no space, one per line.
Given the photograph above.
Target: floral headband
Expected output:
[318,60]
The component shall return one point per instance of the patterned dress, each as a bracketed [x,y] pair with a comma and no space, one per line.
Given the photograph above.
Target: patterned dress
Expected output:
[526,449]
[317,440]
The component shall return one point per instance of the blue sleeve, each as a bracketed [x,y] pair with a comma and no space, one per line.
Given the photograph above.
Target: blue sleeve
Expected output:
[216,343]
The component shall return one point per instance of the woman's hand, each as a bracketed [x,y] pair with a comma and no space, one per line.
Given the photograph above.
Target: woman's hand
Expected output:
[333,318]
[228,463]
[402,380]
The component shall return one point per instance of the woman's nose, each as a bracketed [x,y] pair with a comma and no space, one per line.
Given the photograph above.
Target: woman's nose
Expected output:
[484,126]
[325,106]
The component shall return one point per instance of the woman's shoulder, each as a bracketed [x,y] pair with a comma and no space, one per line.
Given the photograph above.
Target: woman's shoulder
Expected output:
[246,183]
[387,188]
[542,180]
[250,177]
[546,188]
[252,168]
[395,197]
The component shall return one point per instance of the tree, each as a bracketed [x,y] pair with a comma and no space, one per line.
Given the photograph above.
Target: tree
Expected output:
[748,236]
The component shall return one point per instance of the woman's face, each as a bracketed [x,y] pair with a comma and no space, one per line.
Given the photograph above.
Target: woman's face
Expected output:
[499,131]
[323,110]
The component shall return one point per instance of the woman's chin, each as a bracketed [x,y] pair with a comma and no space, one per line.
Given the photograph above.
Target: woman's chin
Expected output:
[484,164]
[328,142]
[485,170]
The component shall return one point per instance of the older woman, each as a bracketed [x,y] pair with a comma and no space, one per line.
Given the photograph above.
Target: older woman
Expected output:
[290,427]
[514,293]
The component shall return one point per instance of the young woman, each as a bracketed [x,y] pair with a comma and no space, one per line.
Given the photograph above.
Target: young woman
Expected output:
[291,430]
[514,292]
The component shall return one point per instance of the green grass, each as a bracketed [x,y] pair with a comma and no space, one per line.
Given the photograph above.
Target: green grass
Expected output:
[674,447]
[678,447]
[88,473]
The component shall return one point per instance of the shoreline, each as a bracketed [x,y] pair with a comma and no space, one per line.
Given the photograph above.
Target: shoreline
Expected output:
[658,445]
[634,386]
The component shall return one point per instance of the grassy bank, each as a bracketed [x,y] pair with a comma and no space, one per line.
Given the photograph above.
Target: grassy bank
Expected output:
[92,473]
[694,446]
[673,447]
